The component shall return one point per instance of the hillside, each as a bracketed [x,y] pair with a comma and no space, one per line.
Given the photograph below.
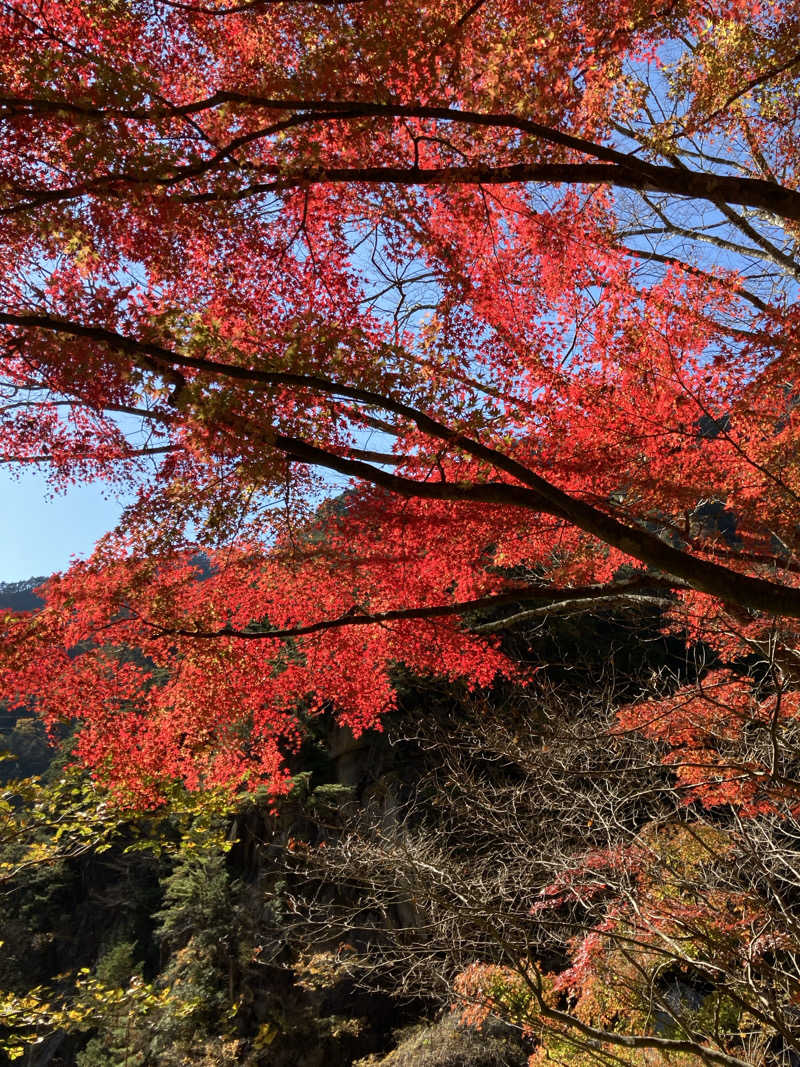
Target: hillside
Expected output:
[20,596]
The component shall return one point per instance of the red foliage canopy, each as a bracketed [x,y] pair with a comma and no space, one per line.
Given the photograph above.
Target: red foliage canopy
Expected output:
[520,278]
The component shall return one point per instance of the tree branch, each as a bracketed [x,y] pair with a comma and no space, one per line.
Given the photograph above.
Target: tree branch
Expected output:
[579,594]
[535,492]
[618,168]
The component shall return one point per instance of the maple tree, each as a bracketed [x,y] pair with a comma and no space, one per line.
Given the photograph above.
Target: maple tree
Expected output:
[402,324]
[521,279]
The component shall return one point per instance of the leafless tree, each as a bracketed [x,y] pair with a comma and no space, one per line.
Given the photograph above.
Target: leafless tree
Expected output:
[540,841]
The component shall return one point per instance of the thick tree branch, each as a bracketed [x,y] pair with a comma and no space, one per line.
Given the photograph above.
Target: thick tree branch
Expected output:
[317,110]
[580,594]
[701,575]
[535,492]
[617,168]
[715,188]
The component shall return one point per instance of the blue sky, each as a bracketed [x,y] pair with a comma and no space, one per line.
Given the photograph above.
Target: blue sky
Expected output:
[40,532]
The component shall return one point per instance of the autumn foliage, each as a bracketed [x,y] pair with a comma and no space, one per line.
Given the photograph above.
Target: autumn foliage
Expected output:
[521,277]
[399,322]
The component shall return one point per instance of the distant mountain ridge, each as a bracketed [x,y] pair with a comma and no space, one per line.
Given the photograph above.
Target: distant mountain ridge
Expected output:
[20,596]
